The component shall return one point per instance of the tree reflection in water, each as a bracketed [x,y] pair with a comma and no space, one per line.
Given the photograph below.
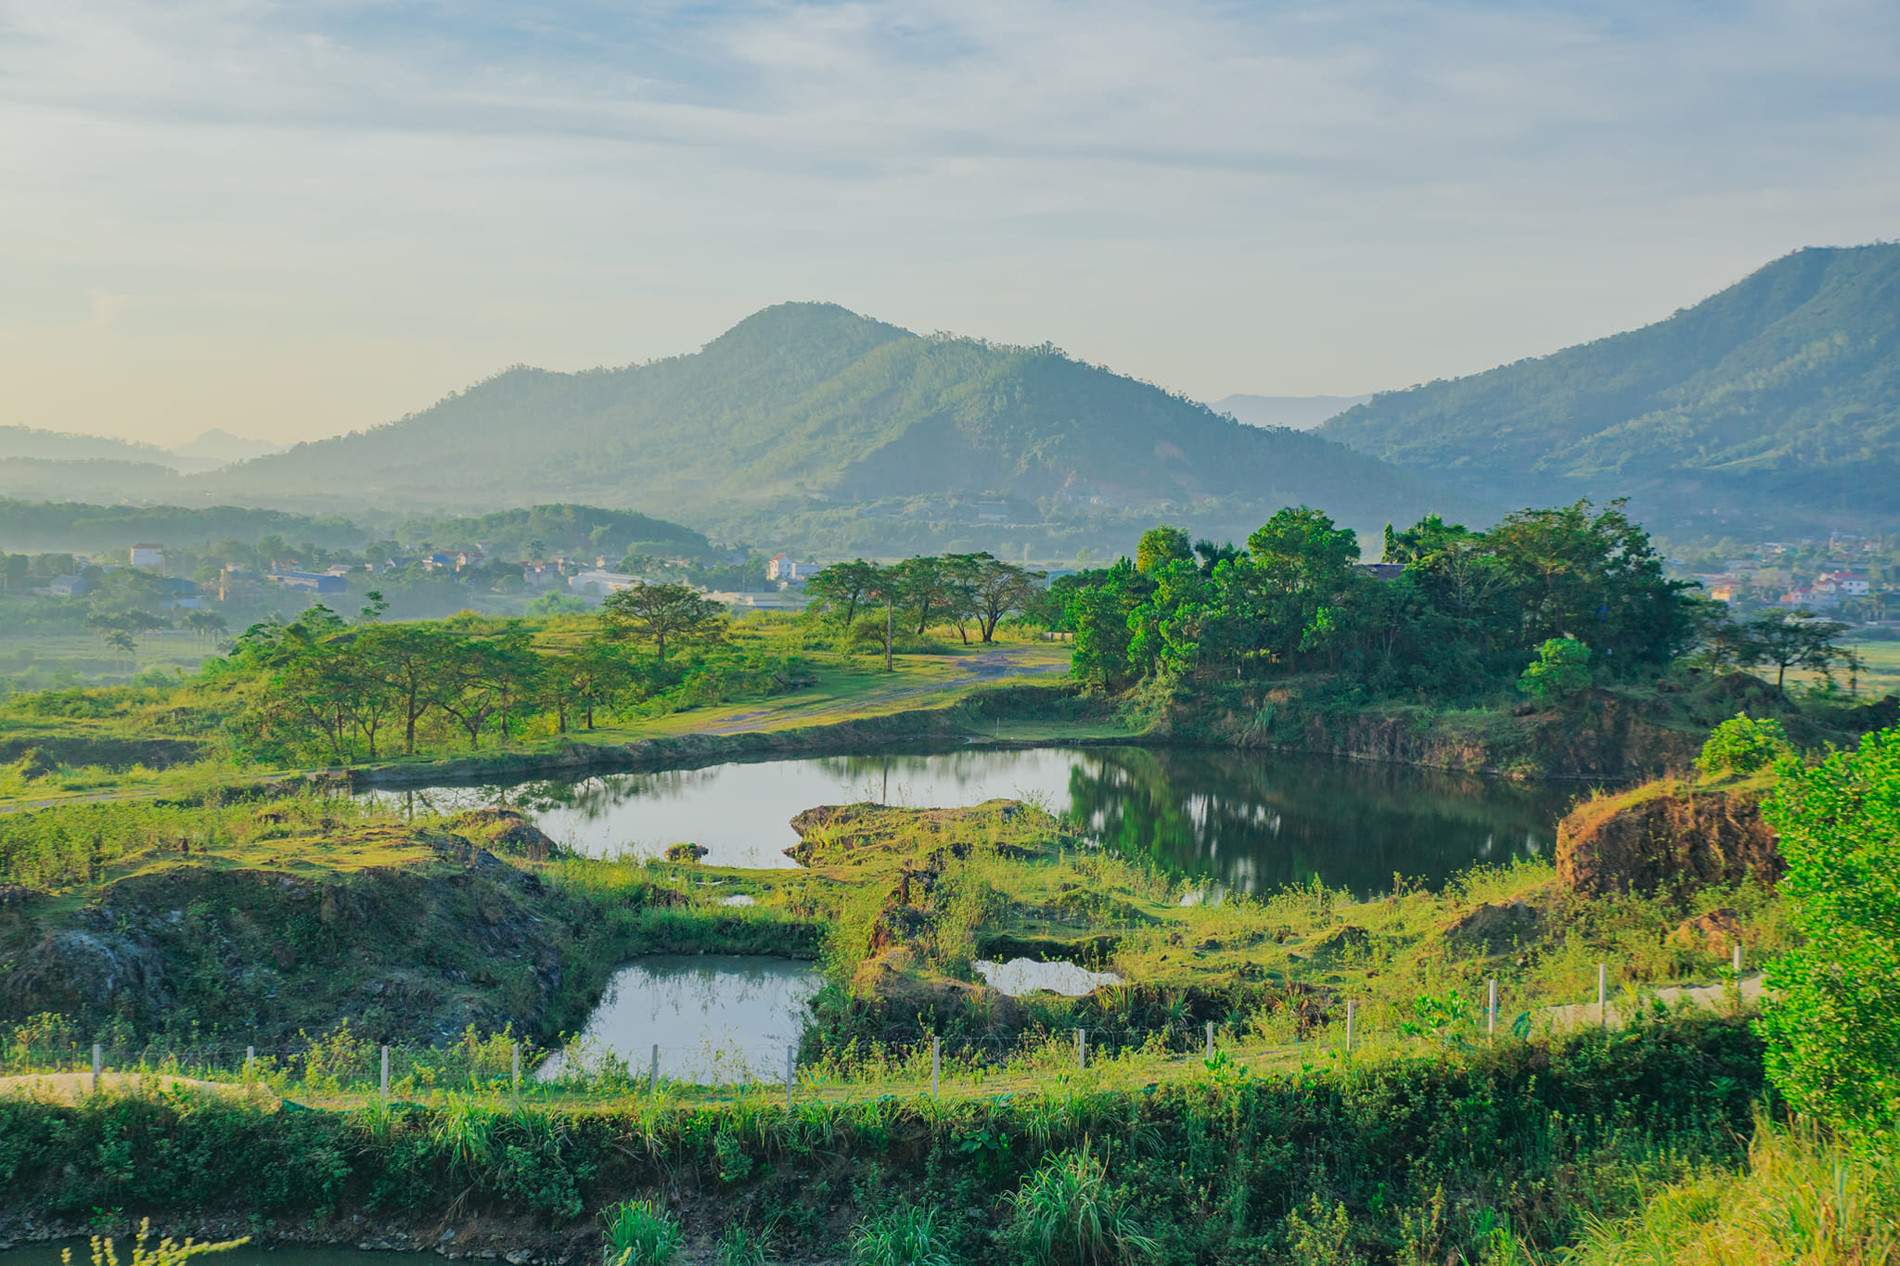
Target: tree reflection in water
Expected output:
[1255,822]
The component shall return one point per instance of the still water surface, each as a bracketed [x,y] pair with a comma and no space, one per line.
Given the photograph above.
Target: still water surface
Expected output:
[715,1017]
[1248,821]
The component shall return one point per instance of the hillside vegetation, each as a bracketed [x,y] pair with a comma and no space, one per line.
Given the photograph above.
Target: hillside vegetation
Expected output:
[1775,402]
[810,421]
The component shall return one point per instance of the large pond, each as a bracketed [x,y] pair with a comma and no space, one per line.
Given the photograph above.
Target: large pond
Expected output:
[1247,821]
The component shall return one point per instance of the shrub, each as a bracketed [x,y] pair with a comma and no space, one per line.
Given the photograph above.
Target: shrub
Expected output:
[1743,745]
[739,1245]
[904,1236]
[1066,1214]
[640,1234]
[1833,1031]
[1562,668]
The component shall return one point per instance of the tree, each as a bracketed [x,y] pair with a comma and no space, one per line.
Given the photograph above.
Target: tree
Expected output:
[1786,639]
[663,613]
[842,585]
[887,586]
[925,583]
[1159,546]
[409,659]
[1833,1022]
[124,643]
[589,677]
[1593,576]
[998,590]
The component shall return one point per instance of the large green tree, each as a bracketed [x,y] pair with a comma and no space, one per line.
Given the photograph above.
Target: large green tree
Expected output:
[662,614]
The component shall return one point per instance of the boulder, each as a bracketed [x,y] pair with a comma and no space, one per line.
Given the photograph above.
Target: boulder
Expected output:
[1672,842]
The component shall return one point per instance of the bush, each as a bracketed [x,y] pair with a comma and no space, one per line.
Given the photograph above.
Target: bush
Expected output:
[904,1236]
[640,1234]
[1562,668]
[1066,1214]
[1743,745]
[1833,1031]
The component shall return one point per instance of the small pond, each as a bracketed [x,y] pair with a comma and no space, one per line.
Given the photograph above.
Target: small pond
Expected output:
[1246,821]
[1022,976]
[716,1018]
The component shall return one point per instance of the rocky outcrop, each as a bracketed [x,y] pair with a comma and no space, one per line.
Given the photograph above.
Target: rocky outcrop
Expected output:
[1495,928]
[1666,838]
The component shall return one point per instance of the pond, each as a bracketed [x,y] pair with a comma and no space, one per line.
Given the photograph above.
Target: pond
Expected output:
[1245,821]
[716,1018]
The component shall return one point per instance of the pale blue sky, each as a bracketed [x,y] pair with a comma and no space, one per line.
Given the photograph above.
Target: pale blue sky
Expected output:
[290,219]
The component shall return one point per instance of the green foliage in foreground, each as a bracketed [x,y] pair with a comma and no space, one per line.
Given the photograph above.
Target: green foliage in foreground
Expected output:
[1428,1158]
[1834,1033]
[1803,1197]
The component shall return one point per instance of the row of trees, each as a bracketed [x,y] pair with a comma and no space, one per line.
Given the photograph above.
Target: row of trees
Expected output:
[973,593]
[366,688]
[1466,609]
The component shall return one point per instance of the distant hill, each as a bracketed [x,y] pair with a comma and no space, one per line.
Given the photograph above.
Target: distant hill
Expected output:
[28,442]
[1774,404]
[28,527]
[810,425]
[560,529]
[1299,413]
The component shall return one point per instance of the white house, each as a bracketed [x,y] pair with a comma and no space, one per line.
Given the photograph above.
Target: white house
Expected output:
[148,554]
[783,569]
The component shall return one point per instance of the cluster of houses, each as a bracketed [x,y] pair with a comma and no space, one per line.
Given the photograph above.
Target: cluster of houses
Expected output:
[1746,581]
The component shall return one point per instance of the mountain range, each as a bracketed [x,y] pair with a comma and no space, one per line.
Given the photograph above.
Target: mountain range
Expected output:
[810,425]
[1771,406]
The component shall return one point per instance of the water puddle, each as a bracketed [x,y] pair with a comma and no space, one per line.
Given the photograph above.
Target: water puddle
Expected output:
[716,1018]
[1020,976]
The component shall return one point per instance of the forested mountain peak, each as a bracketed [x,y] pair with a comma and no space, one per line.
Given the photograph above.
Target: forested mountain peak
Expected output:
[1776,401]
[813,425]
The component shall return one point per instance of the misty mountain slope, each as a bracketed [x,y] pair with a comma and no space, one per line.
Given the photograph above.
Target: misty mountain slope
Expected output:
[810,410]
[1777,400]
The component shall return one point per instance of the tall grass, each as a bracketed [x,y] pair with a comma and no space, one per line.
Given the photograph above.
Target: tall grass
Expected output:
[1068,1214]
[1802,1200]
[639,1233]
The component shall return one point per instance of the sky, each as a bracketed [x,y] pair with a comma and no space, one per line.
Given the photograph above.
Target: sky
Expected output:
[295,219]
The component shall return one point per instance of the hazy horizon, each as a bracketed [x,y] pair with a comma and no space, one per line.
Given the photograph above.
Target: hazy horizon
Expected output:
[294,221]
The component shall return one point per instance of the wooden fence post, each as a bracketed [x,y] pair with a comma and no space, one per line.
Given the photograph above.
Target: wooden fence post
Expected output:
[1352,1014]
[385,1074]
[98,1063]
[655,1088]
[1603,995]
[936,1063]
